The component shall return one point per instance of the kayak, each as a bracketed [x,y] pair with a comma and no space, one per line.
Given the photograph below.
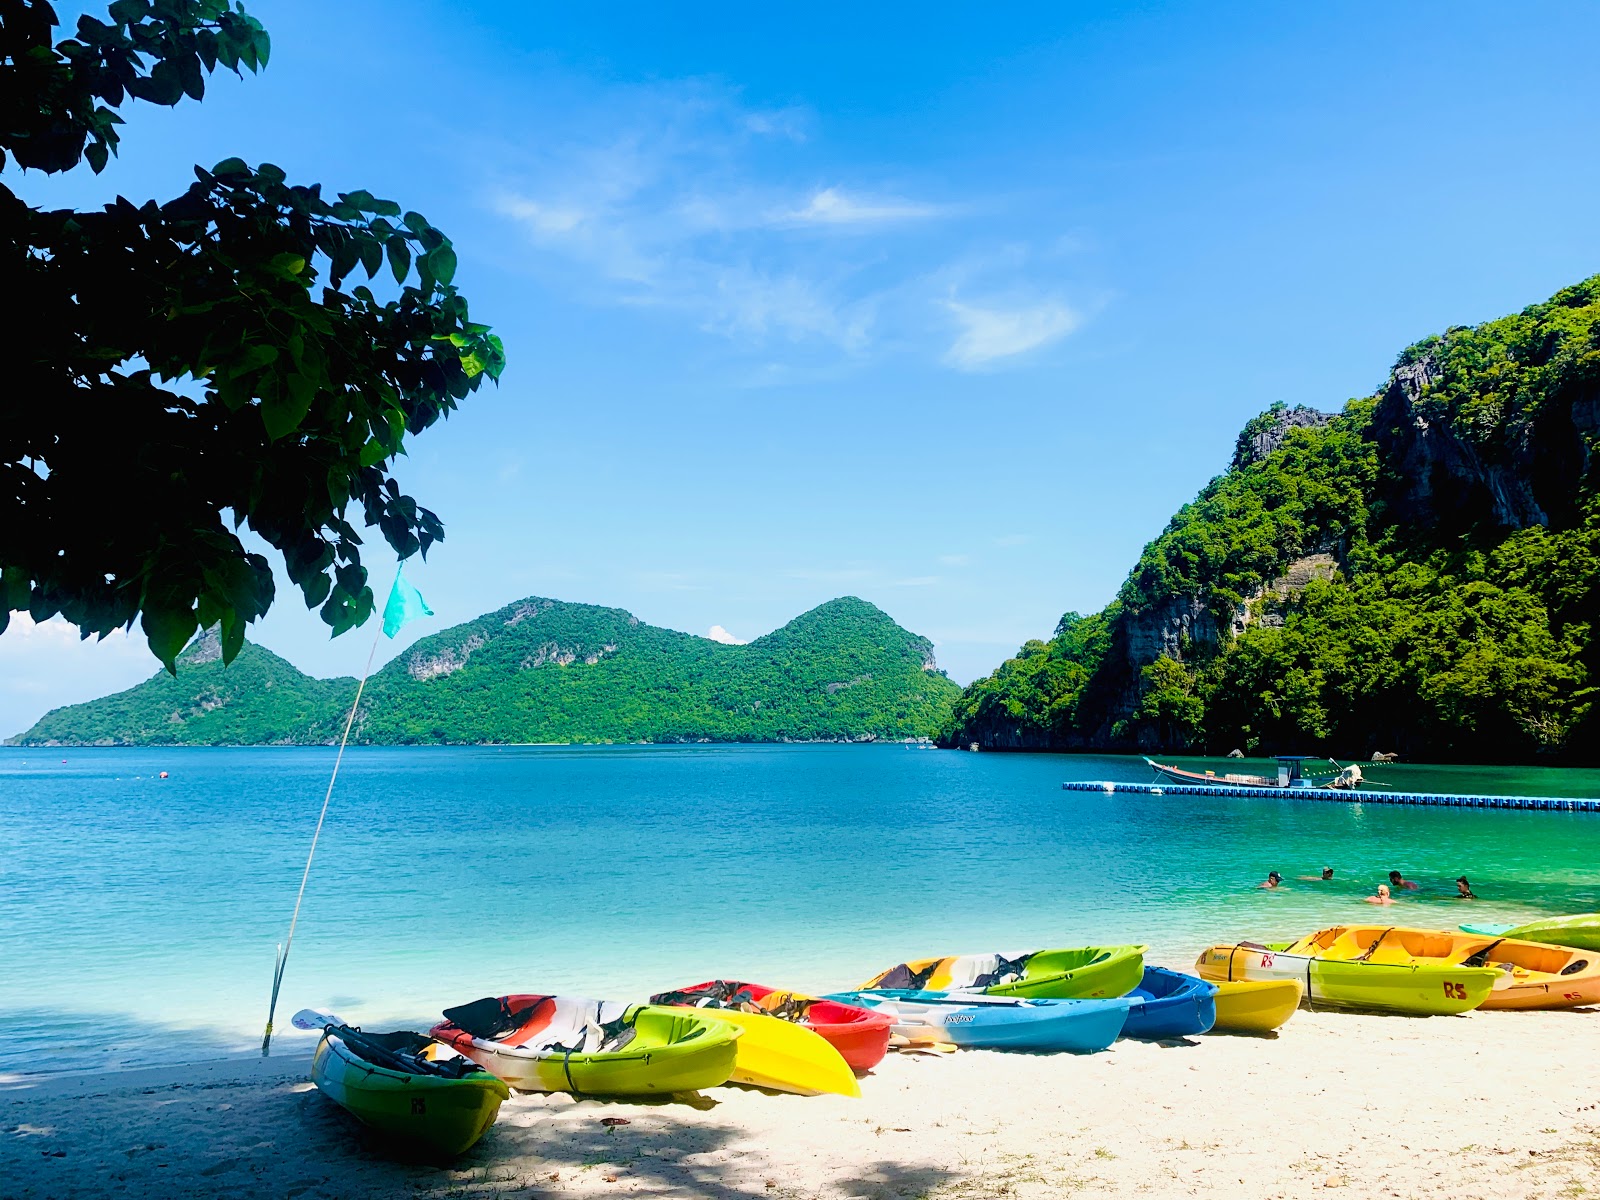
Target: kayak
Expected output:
[1533,975]
[1084,973]
[1413,988]
[1255,1006]
[1581,931]
[773,1053]
[1170,1004]
[595,1047]
[982,1022]
[859,1035]
[393,1083]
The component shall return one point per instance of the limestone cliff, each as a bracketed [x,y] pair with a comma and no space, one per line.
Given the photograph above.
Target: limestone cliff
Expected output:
[1420,570]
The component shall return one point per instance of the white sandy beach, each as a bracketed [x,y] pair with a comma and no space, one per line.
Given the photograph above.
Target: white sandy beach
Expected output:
[1487,1105]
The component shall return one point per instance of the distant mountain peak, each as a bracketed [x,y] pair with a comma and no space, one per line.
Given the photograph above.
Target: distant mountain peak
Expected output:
[546,670]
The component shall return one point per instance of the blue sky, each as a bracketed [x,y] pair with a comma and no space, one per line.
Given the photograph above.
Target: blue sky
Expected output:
[945,308]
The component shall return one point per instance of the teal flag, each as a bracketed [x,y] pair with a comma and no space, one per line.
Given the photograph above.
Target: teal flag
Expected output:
[405,605]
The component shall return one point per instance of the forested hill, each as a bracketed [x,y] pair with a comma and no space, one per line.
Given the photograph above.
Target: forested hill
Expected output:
[1418,573]
[545,671]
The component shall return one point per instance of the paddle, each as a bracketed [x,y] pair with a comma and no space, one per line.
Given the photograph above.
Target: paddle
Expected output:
[310,1018]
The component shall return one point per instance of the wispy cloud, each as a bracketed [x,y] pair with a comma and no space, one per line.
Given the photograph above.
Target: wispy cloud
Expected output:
[989,334]
[677,197]
[954,560]
[917,581]
[830,206]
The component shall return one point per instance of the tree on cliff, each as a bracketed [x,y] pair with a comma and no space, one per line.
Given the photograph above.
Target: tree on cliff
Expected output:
[176,368]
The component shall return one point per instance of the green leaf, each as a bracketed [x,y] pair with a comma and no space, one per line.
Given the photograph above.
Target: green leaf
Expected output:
[399,258]
[373,453]
[283,411]
[442,262]
[98,156]
[167,629]
[231,166]
[371,253]
[192,75]
[254,358]
[127,12]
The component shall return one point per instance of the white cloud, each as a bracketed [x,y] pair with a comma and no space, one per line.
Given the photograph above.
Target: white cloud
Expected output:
[718,634]
[989,334]
[788,122]
[679,198]
[917,581]
[954,560]
[45,664]
[541,218]
[830,206]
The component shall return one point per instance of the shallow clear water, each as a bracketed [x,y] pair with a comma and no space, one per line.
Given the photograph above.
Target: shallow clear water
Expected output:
[139,916]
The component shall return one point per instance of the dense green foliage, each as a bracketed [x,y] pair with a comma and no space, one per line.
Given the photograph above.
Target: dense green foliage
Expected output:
[180,370]
[258,699]
[543,671]
[1461,523]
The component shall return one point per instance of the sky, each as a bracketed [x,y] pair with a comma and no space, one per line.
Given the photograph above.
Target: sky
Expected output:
[944,307]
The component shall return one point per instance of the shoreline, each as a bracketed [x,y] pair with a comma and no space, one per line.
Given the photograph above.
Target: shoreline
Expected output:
[1377,1105]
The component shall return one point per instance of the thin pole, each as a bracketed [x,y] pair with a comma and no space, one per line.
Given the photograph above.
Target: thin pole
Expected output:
[283,954]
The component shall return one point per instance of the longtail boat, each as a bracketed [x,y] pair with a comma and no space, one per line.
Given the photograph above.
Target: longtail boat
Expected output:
[1289,776]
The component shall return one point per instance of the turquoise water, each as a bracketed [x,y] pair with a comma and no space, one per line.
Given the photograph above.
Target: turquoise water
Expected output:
[140,915]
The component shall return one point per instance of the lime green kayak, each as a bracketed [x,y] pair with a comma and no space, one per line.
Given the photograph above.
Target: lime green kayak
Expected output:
[1415,988]
[1080,973]
[1581,932]
[407,1087]
[539,1043]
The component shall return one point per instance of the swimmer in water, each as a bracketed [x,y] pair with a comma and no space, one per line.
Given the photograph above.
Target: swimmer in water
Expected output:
[1326,876]
[1464,889]
[1382,897]
[1396,881]
[1273,880]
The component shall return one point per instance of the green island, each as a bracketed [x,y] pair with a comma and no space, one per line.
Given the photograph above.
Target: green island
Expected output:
[542,670]
[1418,573]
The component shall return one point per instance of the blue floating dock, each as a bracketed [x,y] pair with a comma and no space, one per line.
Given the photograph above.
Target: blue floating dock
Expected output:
[1339,796]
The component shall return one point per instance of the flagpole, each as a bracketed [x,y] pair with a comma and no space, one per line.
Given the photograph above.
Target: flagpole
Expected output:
[283,951]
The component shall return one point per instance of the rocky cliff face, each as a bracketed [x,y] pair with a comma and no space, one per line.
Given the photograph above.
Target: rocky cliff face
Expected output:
[1453,519]
[1442,471]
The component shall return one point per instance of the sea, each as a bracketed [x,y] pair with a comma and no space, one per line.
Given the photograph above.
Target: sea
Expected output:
[140,913]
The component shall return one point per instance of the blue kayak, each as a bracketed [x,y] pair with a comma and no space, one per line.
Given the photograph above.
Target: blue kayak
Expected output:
[997,1022]
[1169,1004]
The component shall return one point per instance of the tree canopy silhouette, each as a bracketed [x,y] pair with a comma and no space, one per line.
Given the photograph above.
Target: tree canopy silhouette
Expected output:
[180,370]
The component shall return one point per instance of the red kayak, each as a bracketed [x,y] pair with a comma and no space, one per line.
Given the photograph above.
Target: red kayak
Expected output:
[860,1035]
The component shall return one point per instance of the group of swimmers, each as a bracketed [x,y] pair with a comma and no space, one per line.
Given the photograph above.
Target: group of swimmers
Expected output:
[1384,894]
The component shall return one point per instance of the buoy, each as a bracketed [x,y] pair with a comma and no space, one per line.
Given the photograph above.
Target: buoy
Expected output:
[163,774]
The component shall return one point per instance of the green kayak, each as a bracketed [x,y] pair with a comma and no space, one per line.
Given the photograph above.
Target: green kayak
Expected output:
[1080,973]
[1581,932]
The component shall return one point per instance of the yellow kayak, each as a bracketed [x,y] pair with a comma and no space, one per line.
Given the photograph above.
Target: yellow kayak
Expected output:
[786,1057]
[1255,1005]
[1532,975]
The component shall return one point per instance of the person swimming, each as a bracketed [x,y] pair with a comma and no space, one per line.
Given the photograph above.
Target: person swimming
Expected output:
[1382,897]
[1464,889]
[1327,874]
[1273,880]
[1398,882]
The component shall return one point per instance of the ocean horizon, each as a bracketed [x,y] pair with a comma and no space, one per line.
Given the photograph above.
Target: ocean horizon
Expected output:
[143,914]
